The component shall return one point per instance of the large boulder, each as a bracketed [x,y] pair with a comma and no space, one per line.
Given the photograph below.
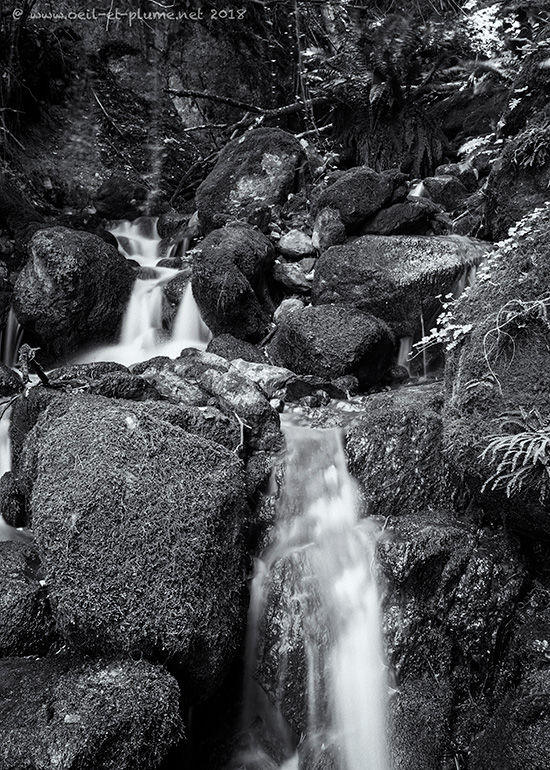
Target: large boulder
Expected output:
[76,714]
[73,290]
[26,624]
[254,173]
[497,395]
[447,190]
[396,278]
[139,524]
[450,590]
[395,451]
[411,216]
[359,193]
[331,341]
[230,270]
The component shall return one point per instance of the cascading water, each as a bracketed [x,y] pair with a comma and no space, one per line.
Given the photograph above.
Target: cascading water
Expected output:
[142,334]
[10,340]
[330,554]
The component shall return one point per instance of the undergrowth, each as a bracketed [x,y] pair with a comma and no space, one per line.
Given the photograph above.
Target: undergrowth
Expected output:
[520,458]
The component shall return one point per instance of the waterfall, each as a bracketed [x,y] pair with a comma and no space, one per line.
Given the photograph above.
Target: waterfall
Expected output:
[331,557]
[143,335]
[405,348]
[10,340]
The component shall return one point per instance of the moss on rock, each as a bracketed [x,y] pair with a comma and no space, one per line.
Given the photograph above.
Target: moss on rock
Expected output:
[499,369]
[139,525]
[77,714]
[395,451]
[26,624]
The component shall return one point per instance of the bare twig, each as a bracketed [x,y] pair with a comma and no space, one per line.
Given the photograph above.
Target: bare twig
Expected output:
[109,118]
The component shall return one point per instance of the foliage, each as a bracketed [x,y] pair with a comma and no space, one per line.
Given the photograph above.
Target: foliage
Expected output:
[521,457]
[445,332]
[533,147]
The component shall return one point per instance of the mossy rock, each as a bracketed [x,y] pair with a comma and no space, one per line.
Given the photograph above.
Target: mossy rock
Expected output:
[26,624]
[139,526]
[520,178]
[73,289]
[396,278]
[254,173]
[395,451]
[230,269]
[498,368]
[77,714]
[331,341]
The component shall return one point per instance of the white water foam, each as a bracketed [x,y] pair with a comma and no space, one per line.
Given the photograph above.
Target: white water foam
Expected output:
[332,558]
[143,335]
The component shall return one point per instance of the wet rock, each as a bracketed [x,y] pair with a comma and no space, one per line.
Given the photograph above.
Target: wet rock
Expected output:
[139,559]
[229,347]
[87,372]
[331,341]
[254,173]
[464,172]
[295,244]
[198,379]
[451,589]
[420,725]
[280,383]
[10,382]
[73,713]
[171,222]
[359,193]
[411,216]
[293,276]
[124,385]
[120,197]
[395,451]
[230,268]
[173,263]
[328,230]
[73,290]
[445,190]
[26,625]
[519,179]
[174,289]
[282,669]
[396,278]
[12,502]
[497,369]
[287,307]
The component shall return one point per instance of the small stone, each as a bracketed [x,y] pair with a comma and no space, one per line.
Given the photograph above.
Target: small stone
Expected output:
[296,244]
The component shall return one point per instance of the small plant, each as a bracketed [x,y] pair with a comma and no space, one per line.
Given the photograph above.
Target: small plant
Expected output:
[445,332]
[521,457]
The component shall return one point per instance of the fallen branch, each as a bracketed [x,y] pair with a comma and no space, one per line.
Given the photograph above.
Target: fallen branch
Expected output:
[109,118]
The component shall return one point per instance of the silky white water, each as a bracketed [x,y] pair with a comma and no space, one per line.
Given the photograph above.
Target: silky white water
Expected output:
[331,556]
[10,340]
[142,334]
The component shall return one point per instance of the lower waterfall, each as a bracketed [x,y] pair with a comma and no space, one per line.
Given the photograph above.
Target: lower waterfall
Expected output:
[330,554]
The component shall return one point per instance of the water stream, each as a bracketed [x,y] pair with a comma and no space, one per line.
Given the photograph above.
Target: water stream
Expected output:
[330,555]
[143,332]
[10,340]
